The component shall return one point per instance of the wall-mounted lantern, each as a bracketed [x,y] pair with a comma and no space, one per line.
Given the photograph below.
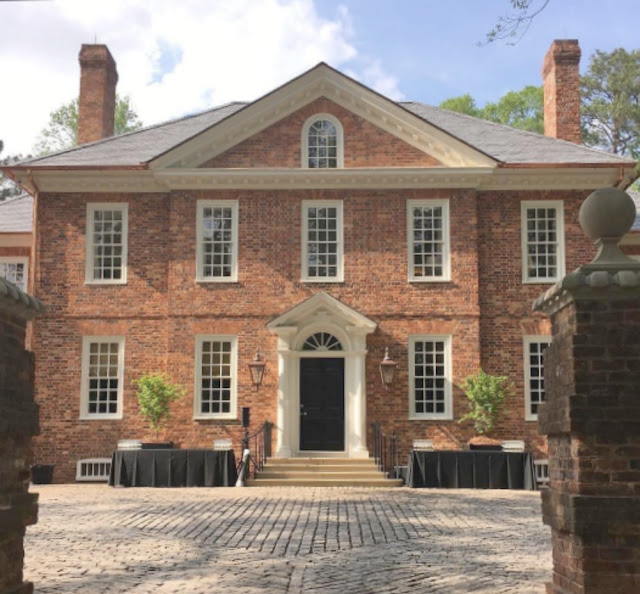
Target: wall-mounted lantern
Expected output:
[256,368]
[387,369]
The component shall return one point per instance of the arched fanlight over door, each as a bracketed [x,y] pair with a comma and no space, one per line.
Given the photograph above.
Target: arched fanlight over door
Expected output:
[322,341]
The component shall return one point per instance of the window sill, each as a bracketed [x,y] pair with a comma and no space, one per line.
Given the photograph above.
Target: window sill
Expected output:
[233,417]
[105,283]
[115,417]
[429,280]
[545,281]
[322,280]
[442,417]
[206,281]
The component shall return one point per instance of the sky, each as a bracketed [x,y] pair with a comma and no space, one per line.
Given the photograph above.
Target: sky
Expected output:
[176,57]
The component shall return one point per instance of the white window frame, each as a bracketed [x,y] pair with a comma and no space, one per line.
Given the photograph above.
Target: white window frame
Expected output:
[446,263]
[306,205]
[528,340]
[233,407]
[559,206]
[84,391]
[233,205]
[447,415]
[24,260]
[92,208]
[339,141]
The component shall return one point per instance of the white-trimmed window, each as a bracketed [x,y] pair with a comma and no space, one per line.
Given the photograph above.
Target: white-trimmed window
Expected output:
[216,377]
[430,377]
[534,347]
[428,240]
[217,241]
[322,142]
[15,269]
[542,241]
[106,243]
[322,241]
[102,377]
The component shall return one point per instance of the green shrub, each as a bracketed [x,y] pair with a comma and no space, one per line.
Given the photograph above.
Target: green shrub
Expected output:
[486,394]
[155,394]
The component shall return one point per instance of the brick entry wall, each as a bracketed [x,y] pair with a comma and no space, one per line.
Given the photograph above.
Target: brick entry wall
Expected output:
[18,423]
[592,416]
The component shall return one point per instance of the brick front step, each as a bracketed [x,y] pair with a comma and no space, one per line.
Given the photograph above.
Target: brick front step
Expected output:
[321,472]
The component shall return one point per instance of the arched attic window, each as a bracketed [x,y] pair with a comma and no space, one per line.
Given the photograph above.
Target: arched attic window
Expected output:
[322,341]
[322,142]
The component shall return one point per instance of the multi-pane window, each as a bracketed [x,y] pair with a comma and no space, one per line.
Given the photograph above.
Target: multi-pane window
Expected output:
[322,241]
[322,142]
[15,270]
[216,377]
[106,257]
[542,241]
[217,237]
[430,377]
[102,377]
[534,348]
[428,240]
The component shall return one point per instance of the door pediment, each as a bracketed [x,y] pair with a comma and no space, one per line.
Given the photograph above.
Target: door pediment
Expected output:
[321,310]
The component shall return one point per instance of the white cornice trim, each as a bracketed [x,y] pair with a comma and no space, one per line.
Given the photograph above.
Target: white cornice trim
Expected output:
[479,178]
[323,82]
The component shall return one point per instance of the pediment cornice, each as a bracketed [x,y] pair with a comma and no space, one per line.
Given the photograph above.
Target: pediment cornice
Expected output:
[323,81]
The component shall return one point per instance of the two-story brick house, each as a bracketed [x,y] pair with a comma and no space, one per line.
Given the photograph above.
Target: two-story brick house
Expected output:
[318,225]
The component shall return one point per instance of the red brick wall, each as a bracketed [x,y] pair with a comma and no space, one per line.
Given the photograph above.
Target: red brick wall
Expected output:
[506,301]
[365,145]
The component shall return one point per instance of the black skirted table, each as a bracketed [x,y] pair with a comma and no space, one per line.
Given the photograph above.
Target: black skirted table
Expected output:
[472,470]
[173,468]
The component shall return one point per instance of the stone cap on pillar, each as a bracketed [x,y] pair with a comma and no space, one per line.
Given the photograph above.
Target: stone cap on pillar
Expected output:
[15,301]
[605,216]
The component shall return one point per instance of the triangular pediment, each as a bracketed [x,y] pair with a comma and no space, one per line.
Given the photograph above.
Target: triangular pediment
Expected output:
[318,307]
[322,81]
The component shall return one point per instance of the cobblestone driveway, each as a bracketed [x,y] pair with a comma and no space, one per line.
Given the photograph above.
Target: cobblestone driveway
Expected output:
[94,539]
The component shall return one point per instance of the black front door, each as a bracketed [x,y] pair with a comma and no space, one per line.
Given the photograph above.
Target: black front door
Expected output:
[322,404]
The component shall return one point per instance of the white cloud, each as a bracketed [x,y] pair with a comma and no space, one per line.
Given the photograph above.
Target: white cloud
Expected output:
[222,51]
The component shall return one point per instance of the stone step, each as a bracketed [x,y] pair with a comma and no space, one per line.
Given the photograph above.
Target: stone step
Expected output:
[269,473]
[321,482]
[321,461]
[270,467]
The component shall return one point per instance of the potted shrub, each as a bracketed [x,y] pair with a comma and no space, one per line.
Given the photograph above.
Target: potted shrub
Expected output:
[155,394]
[486,395]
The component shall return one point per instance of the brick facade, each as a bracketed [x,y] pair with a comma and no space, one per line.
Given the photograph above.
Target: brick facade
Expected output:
[162,308]
[18,423]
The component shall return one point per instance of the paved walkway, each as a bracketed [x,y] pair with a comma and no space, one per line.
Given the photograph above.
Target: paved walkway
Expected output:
[96,539]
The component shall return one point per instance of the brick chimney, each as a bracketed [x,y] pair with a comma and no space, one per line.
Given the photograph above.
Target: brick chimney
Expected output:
[561,77]
[97,102]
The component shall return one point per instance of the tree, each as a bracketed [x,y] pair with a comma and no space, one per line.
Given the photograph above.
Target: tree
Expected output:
[7,187]
[518,109]
[610,92]
[61,132]
[514,25]
[486,395]
[155,395]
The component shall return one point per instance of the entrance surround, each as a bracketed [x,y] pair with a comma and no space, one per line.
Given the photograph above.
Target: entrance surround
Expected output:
[321,313]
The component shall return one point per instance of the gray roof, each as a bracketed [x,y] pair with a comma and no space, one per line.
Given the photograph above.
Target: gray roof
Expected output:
[509,145]
[502,143]
[16,214]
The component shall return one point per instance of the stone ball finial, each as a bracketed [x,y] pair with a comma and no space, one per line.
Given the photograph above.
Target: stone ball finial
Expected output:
[607,212]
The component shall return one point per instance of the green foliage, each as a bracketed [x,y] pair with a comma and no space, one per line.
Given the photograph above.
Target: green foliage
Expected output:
[518,109]
[155,395]
[515,24]
[463,104]
[610,108]
[486,394]
[7,187]
[61,132]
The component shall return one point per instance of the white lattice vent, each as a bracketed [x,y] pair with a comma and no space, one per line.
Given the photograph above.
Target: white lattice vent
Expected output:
[542,472]
[93,469]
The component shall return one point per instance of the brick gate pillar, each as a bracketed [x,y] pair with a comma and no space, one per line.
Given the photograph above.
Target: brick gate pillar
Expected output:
[592,413]
[18,423]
